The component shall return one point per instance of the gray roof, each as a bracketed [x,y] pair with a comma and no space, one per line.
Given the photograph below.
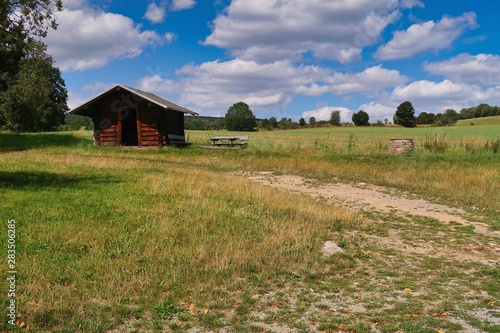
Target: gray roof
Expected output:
[157,100]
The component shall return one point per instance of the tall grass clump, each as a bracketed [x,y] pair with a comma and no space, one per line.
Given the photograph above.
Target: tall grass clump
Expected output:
[494,145]
[435,144]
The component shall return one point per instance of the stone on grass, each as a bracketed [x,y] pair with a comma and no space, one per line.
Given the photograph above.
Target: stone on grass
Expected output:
[330,248]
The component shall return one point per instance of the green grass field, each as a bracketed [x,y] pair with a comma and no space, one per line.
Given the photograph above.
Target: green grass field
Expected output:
[168,240]
[480,121]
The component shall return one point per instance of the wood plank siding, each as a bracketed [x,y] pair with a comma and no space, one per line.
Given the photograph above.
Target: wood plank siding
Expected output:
[147,124]
[131,117]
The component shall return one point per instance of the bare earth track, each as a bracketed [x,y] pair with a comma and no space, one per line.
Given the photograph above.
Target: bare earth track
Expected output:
[366,196]
[481,245]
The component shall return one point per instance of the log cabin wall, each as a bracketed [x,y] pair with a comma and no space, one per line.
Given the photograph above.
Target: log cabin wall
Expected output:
[148,122]
[107,127]
[154,123]
[169,122]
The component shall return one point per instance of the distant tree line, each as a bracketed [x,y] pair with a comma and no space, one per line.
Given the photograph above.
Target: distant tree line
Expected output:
[450,116]
[239,117]
[203,123]
[480,111]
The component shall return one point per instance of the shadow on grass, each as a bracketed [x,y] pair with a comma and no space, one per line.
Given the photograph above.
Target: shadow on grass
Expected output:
[23,141]
[39,180]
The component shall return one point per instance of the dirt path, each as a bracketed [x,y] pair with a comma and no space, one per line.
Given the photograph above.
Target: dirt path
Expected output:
[366,196]
[337,303]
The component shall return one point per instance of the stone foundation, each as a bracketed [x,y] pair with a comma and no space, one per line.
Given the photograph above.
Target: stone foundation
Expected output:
[401,146]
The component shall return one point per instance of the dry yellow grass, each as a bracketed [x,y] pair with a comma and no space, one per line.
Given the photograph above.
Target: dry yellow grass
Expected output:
[110,234]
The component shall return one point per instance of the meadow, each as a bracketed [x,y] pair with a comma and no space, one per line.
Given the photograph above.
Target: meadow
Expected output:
[176,240]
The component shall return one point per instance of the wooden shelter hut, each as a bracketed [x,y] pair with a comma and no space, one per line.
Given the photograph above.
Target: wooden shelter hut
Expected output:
[125,116]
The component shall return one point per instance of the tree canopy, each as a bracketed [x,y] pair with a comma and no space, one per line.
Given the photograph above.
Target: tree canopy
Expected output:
[35,100]
[405,115]
[239,117]
[33,95]
[335,118]
[361,118]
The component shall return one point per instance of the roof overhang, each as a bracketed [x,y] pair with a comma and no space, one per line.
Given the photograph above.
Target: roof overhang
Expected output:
[84,109]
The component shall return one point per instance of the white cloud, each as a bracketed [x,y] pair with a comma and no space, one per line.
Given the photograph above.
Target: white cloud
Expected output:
[212,86]
[433,97]
[324,113]
[90,38]
[426,36]
[266,31]
[483,69]
[215,85]
[412,3]
[438,96]
[87,92]
[75,4]
[97,88]
[157,84]
[371,80]
[155,13]
[432,92]
[378,111]
[169,37]
[182,4]
[75,99]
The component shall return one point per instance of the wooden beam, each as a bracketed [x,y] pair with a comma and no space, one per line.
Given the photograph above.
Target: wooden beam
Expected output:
[139,126]
[119,127]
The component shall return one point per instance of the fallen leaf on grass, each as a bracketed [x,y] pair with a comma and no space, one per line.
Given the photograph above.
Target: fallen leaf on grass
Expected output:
[205,311]
[342,326]
[409,315]
[191,307]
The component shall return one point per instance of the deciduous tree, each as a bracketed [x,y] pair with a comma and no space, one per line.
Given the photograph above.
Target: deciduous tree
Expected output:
[21,22]
[36,98]
[425,118]
[273,122]
[32,93]
[239,117]
[361,118]
[405,115]
[335,118]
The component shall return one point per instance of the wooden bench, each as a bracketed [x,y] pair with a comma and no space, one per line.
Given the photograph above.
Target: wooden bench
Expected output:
[178,140]
[230,141]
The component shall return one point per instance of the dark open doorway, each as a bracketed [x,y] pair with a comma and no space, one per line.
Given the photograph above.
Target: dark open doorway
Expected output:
[129,127]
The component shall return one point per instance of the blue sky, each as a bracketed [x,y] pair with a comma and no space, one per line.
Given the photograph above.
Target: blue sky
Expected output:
[284,58]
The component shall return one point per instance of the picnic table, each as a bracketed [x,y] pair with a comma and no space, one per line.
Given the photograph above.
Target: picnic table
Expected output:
[230,141]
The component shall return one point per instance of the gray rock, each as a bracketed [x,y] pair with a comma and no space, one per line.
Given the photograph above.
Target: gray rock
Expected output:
[330,248]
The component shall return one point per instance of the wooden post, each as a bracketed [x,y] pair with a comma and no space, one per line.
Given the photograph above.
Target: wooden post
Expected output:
[139,125]
[119,127]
